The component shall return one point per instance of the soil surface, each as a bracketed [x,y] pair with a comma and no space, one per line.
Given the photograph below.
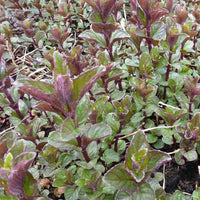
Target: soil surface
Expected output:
[184,178]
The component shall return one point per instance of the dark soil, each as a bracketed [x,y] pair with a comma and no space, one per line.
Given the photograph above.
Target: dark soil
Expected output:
[184,178]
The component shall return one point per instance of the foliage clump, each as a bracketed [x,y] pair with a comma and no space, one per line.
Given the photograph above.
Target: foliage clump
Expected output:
[96,97]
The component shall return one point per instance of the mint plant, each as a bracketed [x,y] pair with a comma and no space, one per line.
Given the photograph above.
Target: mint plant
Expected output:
[99,99]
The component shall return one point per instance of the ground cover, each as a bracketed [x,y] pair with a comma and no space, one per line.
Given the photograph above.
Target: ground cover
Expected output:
[99,99]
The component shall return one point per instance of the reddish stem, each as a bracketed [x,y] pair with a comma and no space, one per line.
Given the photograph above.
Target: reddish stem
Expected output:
[167,75]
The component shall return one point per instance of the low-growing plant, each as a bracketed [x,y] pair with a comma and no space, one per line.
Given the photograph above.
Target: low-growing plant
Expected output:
[97,97]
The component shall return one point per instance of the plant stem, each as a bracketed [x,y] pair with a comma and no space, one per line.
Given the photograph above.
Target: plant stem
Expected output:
[50,122]
[148,41]
[190,108]
[167,75]
[83,149]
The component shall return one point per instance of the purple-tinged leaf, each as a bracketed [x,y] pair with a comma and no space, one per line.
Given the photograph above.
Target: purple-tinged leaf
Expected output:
[169,5]
[84,79]
[172,38]
[182,15]
[93,80]
[118,6]
[107,8]
[145,5]
[120,179]
[44,106]
[56,34]
[101,28]
[157,159]
[133,5]
[137,156]
[64,90]
[36,93]
[4,172]
[16,178]
[157,14]
[24,157]
[94,5]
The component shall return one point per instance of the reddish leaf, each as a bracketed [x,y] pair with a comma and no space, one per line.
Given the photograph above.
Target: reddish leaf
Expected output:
[64,90]
[64,37]
[101,28]
[169,5]
[172,39]
[157,14]
[4,173]
[44,106]
[56,34]
[36,93]
[146,6]
[107,8]
[3,148]
[2,3]
[89,85]
[181,15]
[94,5]
[2,50]
[16,178]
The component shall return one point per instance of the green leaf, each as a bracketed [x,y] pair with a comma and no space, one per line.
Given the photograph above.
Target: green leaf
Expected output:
[82,110]
[56,140]
[136,158]
[8,161]
[8,197]
[145,192]
[191,155]
[3,100]
[196,194]
[99,130]
[68,126]
[95,17]
[158,31]
[123,196]
[120,179]
[84,79]
[25,156]
[118,35]
[30,185]
[110,156]
[71,193]
[141,15]
[145,63]
[23,108]
[91,35]
[60,65]
[178,195]
[151,138]
[157,158]
[60,177]
[112,122]
[43,86]
[40,35]
[92,150]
